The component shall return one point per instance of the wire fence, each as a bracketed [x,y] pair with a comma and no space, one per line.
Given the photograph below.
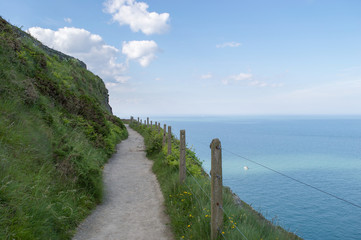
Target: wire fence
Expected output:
[209,198]
[206,194]
[291,178]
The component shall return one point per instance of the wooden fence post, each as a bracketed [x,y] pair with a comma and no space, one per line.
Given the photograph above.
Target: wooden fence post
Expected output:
[147,121]
[169,140]
[164,133]
[216,189]
[182,157]
[158,127]
[151,125]
[131,119]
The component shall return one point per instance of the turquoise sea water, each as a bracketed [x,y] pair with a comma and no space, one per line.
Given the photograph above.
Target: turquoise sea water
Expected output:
[324,152]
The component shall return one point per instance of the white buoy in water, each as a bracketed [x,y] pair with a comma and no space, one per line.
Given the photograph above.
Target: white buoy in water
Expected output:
[245,168]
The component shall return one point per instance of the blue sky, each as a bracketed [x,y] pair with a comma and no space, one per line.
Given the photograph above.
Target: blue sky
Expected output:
[209,57]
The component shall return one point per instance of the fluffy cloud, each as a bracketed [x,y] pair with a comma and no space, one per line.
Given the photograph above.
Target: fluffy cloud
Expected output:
[249,80]
[68,20]
[141,51]
[258,84]
[136,15]
[89,48]
[241,77]
[262,84]
[237,78]
[228,44]
[206,76]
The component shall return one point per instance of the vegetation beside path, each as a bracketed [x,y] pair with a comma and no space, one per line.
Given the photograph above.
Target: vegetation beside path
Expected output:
[188,205]
[56,133]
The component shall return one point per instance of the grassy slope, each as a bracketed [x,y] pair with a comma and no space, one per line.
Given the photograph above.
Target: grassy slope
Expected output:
[189,206]
[56,132]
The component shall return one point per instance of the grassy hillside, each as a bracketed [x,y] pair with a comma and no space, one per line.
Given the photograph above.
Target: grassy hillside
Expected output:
[56,132]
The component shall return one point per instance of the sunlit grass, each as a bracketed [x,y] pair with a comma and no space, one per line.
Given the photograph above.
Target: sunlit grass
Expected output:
[55,136]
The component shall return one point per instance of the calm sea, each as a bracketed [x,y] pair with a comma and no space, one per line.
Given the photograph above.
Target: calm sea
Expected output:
[322,152]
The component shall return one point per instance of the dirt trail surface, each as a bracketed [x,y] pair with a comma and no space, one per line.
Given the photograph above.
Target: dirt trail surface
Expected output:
[133,203]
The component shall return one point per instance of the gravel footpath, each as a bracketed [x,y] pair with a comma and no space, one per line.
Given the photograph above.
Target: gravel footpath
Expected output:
[133,203]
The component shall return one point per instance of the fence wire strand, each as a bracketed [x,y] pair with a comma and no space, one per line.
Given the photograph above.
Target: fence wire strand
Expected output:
[209,198]
[294,179]
[224,211]
[190,189]
[199,203]
[268,168]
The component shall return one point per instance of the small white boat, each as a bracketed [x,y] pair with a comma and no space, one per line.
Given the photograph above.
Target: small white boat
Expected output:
[245,168]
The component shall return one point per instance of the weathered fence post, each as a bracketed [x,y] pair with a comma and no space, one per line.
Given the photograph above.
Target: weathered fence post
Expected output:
[147,121]
[182,157]
[169,140]
[138,120]
[155,125]
[131,119]
[151,125]
[216,189]
[164,133]
[158,127]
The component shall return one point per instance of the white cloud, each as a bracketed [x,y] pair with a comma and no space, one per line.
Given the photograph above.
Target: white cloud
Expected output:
[111,84]
[248,79]
[206,76]
[225,81]
[241,77]
[276,85]
[258,84]
[141,51]
[228,44]
[136,15]
[89,48]
[122,79]
[68,20]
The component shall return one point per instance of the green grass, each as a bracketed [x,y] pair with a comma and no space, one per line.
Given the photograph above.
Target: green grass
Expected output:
[56,133]
[188,205]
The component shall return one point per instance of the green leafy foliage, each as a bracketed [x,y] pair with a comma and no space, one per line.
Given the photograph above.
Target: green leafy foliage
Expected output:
[56,133]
